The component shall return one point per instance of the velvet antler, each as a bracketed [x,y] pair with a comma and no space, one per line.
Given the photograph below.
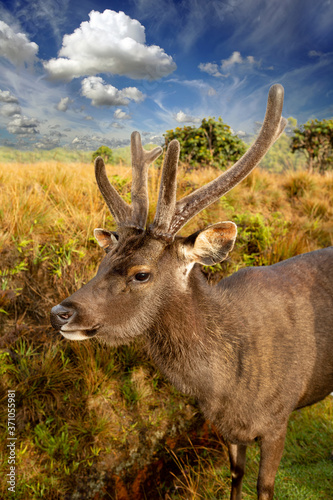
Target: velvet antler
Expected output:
[167,196]
[171,216]
[271,129]
[125,215]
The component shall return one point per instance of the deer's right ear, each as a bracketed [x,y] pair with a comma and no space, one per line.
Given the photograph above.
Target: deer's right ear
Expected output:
[105,239]
[210,245]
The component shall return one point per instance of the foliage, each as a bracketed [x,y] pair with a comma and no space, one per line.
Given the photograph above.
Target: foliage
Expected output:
[105,152]
[315,139]
[213,143]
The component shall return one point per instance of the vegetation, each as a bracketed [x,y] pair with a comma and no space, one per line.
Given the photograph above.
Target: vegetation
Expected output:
[105,153]
[212,144]
[94,422]
[315,139]
[62,155]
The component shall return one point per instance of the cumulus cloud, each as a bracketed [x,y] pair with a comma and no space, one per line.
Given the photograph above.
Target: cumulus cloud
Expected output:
[181,117]
[63,104]
[10,109]
[48,142]
[110,42]
[151,138]
[91,143]
[6,96]
[15,46]
[210,68]
[235,60]
[23,126]
[102,94]
[119,114]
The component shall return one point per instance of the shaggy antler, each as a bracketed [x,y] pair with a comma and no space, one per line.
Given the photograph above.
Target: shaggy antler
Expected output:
[125,215]
[171,216]
[271,129]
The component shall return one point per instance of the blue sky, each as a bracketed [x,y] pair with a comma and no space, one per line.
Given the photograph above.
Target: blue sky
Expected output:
[84,73]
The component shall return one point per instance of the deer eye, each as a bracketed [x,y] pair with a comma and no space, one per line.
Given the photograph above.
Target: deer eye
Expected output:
[142,277]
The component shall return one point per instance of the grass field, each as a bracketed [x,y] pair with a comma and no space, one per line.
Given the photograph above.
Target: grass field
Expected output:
[94,422]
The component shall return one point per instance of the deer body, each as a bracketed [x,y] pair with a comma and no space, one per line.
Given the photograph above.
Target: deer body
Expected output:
[251,349]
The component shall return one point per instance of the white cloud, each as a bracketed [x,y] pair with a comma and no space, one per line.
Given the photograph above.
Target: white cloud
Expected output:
[151,138]
[111,42]
[229,64]
[63,104]
[91,143]
[102,94]
[119,114]
[210,68]
[117,125]
[15,46]
[181,117]
[48,142]
[199,85]
[10,109]
[235,58]
[23,126]
[6,96]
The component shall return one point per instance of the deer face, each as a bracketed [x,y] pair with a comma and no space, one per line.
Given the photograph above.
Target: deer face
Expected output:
[135,279]
[145,266]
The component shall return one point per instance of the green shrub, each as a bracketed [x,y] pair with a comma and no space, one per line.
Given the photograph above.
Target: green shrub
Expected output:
[213,143]
[105,153]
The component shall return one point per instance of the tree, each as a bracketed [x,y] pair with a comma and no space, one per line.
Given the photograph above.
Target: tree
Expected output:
[104,152]
[279,156]
[213,143]
[315,139]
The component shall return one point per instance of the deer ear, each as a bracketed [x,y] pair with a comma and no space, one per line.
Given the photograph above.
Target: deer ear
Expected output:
[212,244]
[105,239]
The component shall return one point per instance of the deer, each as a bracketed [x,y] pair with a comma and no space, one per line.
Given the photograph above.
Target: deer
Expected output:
[252,348]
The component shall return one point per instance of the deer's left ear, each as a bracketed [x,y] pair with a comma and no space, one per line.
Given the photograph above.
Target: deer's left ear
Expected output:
[105,239]
[212,244]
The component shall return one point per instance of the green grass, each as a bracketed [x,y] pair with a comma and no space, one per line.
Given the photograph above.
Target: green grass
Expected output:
[63,155]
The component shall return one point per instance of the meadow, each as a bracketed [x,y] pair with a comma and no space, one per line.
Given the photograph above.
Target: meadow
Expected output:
[95,422]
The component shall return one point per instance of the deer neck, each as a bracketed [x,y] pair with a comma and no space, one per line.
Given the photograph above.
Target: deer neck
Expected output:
[182,341]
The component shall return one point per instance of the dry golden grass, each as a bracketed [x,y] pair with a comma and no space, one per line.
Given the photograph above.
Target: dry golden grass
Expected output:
[85,412]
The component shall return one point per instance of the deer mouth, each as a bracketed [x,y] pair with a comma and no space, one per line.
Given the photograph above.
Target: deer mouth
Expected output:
[79,334]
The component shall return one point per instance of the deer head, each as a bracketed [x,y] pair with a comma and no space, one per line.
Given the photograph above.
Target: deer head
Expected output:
[145,266]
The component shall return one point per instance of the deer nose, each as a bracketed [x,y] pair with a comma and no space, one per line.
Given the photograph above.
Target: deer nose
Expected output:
[60,315]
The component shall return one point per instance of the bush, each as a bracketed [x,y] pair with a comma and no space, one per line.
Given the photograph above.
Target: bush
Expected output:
[315,139]
[213,143]
[105,153]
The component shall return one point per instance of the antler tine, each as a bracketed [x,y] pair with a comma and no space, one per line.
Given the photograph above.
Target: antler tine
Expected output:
[140,163]
[271,129]
[119,209]
[167,196]
[126,215]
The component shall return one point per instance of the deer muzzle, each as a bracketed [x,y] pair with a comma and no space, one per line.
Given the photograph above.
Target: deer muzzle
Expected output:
[63,319]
